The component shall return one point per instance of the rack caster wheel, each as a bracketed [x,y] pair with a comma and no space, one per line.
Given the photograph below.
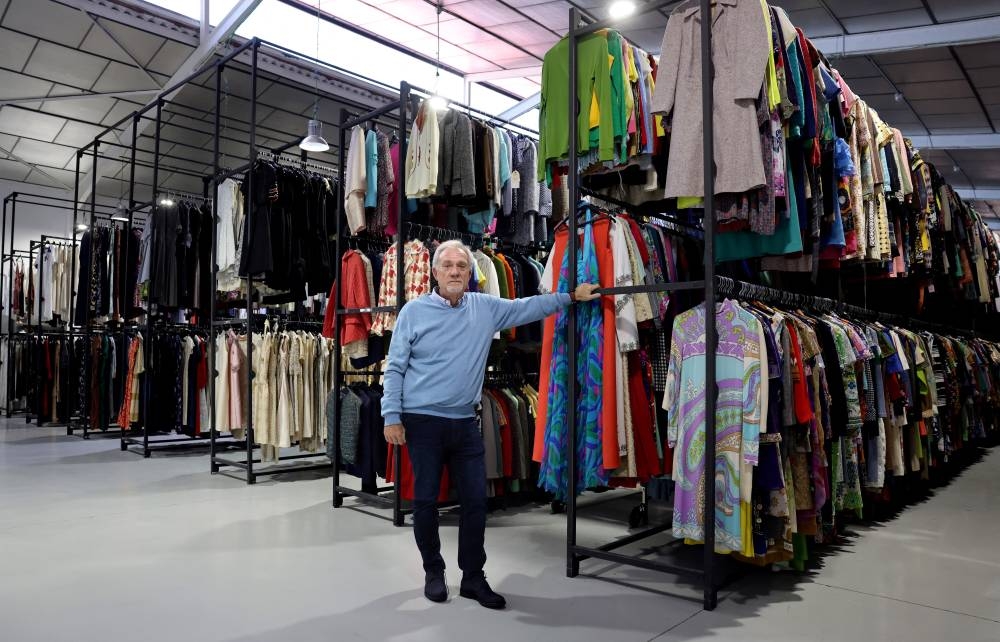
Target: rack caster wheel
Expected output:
[146,455]
[639,516]
[558,507]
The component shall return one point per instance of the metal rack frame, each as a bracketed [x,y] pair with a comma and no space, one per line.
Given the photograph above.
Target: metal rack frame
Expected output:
[51,202]
[575,553]
[287,463]
[408,94]
[345,124]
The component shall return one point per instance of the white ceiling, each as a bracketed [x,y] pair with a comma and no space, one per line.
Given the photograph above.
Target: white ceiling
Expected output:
[49,48]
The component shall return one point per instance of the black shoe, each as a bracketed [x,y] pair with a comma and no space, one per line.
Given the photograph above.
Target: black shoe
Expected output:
[435,588]
[477,588]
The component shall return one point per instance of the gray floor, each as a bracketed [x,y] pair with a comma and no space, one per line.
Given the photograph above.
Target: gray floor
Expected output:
[102,545]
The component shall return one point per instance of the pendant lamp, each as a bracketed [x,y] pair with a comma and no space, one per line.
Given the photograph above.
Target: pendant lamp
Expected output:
[314,141]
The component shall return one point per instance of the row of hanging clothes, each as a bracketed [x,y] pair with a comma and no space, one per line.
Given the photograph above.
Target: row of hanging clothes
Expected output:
[293,373]
[818,416]
[100,383]
[175,263]
[52,263]
[286,247]
[622,336]
[508,414]
[37,375]
[473,176]
[810,177]
[171,367]
[107,279]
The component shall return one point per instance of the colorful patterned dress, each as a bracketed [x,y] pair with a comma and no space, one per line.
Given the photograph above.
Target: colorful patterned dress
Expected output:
[738,420]
[553,475]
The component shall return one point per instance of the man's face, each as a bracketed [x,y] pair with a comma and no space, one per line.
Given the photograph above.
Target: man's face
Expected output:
[453,272]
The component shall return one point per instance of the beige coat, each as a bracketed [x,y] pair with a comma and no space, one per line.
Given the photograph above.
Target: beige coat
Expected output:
[740,49]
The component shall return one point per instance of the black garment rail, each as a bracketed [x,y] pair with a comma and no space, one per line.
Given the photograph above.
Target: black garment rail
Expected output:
[244,468]
[377,496]
[576,553]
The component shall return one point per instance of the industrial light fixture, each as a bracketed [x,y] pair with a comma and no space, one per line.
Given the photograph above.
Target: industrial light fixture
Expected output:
[437,101]
[166,202]
[121,214]
[82,227]
[314,141]
[621,9]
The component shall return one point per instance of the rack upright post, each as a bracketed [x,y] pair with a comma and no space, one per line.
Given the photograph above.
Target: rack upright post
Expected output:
[574,552]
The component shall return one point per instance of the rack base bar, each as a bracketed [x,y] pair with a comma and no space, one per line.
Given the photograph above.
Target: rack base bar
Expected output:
[656,287]
[292,468]
[229,462]
[370,497]
[582,553]
[625,541]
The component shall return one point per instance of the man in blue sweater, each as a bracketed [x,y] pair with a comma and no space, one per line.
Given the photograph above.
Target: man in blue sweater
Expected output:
[432,387]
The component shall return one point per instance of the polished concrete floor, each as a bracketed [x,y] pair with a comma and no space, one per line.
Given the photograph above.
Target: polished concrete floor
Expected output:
[97,544]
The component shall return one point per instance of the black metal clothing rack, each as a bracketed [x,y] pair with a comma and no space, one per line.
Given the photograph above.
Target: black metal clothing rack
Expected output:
[377,495]
[286,463]
[575,553]
[408,95]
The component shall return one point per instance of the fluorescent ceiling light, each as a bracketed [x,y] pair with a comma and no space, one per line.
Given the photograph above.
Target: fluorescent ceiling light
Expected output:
[120,218]
[438,102]
[82,226]
[621,9]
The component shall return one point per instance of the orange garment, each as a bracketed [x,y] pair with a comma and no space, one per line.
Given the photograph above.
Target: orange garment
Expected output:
[609,411]
[511,293]
[354,295]
[124,414]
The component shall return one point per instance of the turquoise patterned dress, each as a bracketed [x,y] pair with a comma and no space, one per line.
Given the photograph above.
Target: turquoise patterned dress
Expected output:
[553,475]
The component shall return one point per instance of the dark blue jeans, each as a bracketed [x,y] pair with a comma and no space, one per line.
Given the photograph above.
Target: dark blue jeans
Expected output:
[433,442]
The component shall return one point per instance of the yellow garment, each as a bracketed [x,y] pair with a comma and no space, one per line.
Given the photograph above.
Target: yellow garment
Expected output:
[688,202]
[770,75]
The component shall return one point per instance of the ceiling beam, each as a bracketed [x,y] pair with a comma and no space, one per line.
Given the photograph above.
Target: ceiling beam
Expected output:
[111,94]
[957,141]
[502,74]
[991,193]
[121,47]
[963,32]
[14,157]
[522,107]
[197,59]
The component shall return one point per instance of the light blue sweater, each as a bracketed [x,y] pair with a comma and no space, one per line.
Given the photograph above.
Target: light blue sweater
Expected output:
[437,357]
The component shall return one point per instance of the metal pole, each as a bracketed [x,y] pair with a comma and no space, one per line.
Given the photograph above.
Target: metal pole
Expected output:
[338,499]
[248,223]
[3,242]
[153,281]
[404,100]
[71,390]
[712,388]
[128,297]
[40,377]
[10,299]
[27,308]
[572,560]
[213,465]
[90,290]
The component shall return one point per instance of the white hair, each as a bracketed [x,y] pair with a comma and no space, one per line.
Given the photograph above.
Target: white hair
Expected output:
[452,245]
